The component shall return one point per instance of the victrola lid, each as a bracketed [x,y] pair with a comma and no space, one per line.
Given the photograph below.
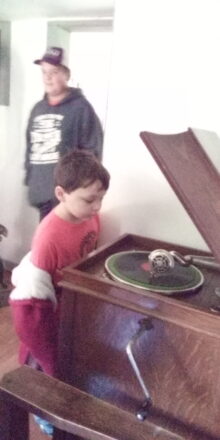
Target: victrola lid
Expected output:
[193,175]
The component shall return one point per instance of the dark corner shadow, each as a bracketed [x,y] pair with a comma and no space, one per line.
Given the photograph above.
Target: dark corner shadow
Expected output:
[189,431]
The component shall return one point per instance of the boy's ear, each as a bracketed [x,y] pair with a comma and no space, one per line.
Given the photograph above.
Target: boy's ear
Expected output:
[59,193]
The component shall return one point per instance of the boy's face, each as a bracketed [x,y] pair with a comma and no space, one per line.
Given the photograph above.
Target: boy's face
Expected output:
[54,79]
[82,203]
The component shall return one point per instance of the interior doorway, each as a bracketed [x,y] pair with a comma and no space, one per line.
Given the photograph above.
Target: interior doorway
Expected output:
[88,43]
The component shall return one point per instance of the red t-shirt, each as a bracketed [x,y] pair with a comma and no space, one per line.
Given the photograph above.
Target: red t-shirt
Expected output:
[58,243]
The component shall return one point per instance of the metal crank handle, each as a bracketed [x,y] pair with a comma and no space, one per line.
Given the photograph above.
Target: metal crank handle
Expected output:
[145,325]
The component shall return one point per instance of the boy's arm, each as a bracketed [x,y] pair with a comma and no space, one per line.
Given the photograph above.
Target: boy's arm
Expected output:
[27,151]
[90,131]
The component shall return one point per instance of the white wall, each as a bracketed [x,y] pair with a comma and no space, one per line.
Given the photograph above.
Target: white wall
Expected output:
[90,57]
[27,43]
[58,37]
[4,112]
[165,78]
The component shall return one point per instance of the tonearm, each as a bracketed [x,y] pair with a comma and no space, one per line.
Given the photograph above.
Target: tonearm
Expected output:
[162,261]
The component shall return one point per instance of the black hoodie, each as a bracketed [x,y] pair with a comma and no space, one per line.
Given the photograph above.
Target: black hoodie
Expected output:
[54,130]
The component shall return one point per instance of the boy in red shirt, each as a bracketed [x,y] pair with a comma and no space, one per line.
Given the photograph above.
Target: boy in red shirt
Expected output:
[68,233]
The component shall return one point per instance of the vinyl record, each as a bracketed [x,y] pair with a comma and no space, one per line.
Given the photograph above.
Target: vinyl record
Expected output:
[133,268]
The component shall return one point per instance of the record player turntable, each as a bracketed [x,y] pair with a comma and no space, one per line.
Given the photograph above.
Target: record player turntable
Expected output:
[175,335]
[156,271]
[165,272]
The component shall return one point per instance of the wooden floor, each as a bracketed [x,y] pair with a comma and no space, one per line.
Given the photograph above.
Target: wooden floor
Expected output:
[8,359]
[8,342]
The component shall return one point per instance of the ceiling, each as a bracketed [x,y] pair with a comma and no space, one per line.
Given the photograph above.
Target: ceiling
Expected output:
[22,9]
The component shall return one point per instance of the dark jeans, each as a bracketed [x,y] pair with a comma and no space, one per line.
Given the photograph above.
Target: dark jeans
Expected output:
[46,207]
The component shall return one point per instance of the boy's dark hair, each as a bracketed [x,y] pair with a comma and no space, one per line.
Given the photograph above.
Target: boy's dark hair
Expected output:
[79,169]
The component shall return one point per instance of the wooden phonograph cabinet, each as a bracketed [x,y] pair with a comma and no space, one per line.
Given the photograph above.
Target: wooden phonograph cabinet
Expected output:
[156,354]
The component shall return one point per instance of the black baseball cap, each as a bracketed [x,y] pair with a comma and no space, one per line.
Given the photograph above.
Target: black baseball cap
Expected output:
[55,56]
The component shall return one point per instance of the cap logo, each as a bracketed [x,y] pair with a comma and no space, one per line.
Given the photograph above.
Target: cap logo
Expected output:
[53,52]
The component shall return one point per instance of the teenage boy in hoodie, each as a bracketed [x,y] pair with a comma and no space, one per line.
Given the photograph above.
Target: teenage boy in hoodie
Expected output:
[68,233]
[62,121]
